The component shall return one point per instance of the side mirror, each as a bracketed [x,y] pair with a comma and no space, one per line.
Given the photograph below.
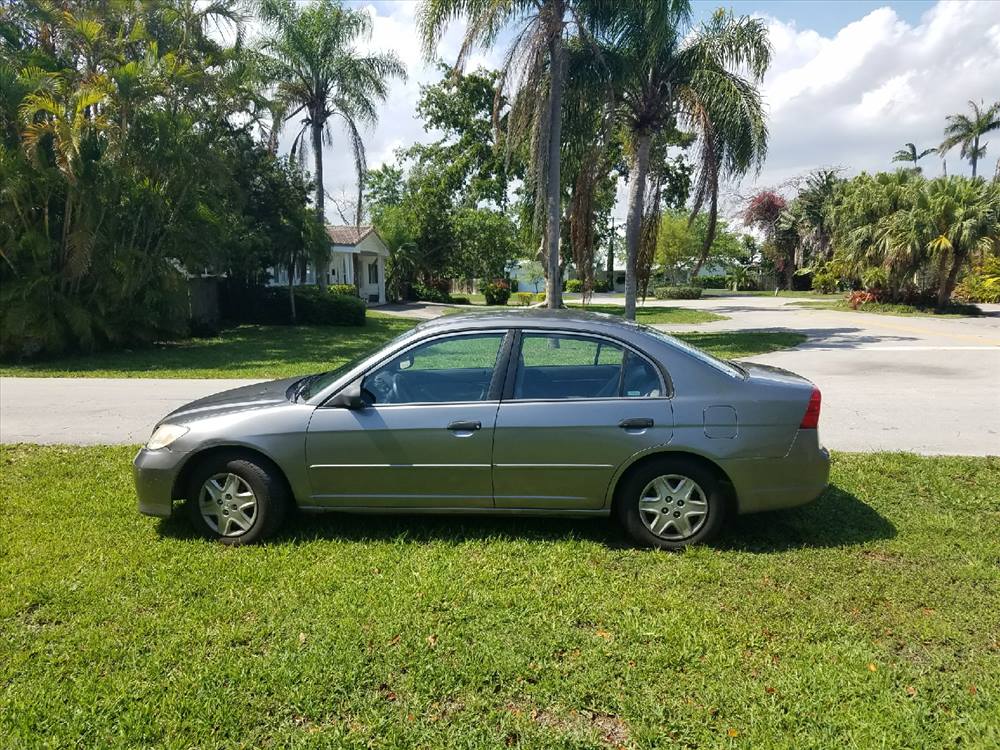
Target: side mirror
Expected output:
[348,398]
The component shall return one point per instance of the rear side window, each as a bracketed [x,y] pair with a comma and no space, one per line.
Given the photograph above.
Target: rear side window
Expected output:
[563,366]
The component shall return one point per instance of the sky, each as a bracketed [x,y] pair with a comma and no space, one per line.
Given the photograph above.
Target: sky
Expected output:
[850,82]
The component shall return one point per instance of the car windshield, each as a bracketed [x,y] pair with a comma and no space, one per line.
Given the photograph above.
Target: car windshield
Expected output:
[309,386]
[729,368]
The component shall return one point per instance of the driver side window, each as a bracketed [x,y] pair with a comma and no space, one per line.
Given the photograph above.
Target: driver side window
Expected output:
[453,369]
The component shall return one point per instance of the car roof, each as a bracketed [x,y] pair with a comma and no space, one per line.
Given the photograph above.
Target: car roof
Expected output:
[564,319]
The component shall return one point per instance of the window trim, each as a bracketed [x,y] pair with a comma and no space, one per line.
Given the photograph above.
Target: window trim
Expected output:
[510,377]
[496,380]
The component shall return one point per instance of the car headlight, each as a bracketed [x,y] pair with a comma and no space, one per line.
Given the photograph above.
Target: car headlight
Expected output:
[164,435]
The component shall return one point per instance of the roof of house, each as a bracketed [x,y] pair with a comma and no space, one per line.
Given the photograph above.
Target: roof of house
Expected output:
[348,235]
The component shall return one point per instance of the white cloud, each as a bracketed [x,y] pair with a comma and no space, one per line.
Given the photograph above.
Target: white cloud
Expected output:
[852,100]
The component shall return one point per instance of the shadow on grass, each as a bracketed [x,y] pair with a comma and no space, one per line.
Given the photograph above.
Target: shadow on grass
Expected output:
[838,518]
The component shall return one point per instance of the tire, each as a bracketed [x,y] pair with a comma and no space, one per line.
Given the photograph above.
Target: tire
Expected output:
[671,506]
[253,490]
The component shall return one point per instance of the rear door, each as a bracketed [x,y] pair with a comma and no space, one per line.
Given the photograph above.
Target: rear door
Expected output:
[426,437]
[575,408]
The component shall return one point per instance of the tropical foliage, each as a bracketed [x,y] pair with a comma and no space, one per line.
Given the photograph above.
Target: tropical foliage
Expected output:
[966,131]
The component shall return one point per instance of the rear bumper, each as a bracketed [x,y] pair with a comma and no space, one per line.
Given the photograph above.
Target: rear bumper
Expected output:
[154,473]
[798,477]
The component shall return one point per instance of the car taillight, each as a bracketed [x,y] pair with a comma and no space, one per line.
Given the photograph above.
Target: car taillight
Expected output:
[811,419]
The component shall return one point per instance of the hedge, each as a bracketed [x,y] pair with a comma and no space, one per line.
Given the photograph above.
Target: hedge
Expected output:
[573,285]
[348,289]
[270,305]
[677,292]
[710,282]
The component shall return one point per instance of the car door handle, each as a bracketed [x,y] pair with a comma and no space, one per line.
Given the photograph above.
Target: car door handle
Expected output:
[465,426]
[640,423]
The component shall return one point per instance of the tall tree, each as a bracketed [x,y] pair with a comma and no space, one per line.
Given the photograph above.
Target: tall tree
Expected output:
[966,131]
[533,66]
[312,57]
[703,79]
[910,154]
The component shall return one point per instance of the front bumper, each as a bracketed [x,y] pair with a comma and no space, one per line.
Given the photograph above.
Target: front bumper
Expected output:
[797,478]
[155,473]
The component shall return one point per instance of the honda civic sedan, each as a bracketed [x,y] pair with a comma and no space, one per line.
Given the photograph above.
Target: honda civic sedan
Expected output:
[529,413]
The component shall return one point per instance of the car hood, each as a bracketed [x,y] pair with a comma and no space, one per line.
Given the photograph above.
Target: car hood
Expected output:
[245,398]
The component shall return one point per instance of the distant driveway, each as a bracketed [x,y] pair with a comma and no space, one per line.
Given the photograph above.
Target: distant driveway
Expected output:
[928,385]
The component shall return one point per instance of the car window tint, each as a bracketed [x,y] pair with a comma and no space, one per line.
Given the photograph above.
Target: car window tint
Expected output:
[554,366]
[458,368]
[640,379]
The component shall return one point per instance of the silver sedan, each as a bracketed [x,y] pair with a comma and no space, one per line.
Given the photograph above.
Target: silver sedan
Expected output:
[533,413]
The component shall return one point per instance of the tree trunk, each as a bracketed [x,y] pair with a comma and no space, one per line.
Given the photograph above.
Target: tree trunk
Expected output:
[949,282]
[975,155]
[633,220]
[291,285]
[611,258]
[553,284]
[322,269]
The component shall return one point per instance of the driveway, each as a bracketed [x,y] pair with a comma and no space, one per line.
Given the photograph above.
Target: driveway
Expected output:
[928,385]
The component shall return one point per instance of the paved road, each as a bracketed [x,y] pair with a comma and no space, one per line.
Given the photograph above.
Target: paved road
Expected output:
[927,385]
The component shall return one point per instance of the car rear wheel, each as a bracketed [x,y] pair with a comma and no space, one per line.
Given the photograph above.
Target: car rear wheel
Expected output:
[236,499]
[671,503]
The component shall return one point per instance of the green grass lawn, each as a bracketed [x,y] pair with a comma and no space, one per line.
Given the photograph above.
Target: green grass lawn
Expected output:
[651,314]
[870,618]
[955,310]
[770,293]
[253,351]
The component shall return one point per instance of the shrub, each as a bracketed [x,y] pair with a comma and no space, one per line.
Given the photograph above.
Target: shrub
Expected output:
[857,299]
[981,284]
[496,292]
[525,298]
[574,285]
[459,300]
[601,285]
[825,281]
[348,289]
[540,297]
[710,282]
[426,293]
[677,292]
[874,278]
[270,305]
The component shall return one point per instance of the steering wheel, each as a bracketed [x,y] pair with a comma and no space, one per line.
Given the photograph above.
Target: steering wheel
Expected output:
[383,387]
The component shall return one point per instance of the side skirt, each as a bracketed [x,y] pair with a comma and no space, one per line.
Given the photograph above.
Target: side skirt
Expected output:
[549,512]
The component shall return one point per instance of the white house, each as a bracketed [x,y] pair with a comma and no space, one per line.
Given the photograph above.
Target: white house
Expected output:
[357,256]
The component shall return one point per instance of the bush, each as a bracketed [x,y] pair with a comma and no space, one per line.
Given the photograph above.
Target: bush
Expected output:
[981,284]
[874,278]
[459,300]
[540,297]
[425,293]
[496,292]
[270,305]
[349,289]
[711,282]
[677,292]
[825,281]
[573,286]
[525,298]
[601,285]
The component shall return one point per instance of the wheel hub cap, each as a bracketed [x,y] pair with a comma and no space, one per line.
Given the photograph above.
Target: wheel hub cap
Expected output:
[673,507]
[228,504]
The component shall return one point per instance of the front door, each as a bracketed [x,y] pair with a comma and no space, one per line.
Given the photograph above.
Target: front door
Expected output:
[578,408]
[426,436]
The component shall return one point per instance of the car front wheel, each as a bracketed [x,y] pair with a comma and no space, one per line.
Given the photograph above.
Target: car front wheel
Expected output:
[671,503]
[236,499]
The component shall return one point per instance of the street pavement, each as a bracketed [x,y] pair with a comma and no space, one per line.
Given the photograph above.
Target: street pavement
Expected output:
[927,385]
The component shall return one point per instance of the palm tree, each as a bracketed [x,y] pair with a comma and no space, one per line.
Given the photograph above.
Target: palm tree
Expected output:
[672,75]
[311,56]
[910,154]
[966,131]
[535,65]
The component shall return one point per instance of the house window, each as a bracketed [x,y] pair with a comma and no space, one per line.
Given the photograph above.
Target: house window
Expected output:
[373,272]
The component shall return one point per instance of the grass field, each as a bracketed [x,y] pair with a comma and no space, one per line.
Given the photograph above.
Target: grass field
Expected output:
[868,619]
[283,351]
[649,315]
[954,310]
